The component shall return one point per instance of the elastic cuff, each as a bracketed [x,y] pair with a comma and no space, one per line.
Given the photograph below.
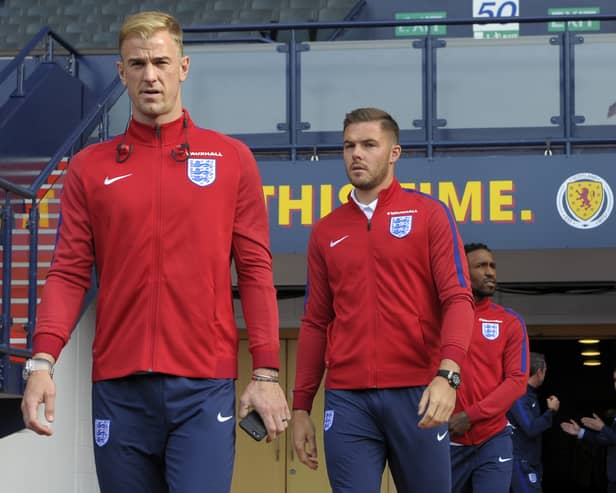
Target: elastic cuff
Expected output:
[265,359]
[47,343]
[453,353]
[302,402]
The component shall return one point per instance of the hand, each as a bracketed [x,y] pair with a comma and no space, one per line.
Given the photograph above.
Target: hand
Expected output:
[595,423]
[437,403]
[459,424]
[269,400]
[553,403]
[40,389]
[570,427]
[304,439]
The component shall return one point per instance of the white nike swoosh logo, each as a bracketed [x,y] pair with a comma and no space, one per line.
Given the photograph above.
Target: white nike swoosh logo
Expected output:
[332,244]
[440,437]
[500,459]
[222,419]
[109,181]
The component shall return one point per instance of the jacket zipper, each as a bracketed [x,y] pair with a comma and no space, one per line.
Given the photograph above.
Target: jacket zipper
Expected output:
[371,287]
[156,238]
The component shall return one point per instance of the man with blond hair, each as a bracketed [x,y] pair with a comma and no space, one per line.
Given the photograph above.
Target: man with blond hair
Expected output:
[165,346]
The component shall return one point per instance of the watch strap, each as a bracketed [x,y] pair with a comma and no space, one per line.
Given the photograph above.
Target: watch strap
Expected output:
[453,377]
[37,364]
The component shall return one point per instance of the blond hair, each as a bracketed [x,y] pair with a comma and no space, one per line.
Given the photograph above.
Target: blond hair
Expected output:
[145,24]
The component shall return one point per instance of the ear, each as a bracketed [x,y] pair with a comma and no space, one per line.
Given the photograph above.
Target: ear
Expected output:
[184,67]
[121,73]
[395,153]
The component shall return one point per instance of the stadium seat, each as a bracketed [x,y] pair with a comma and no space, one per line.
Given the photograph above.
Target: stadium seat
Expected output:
[78,21]
[307,4]
[236,5]
[261,16]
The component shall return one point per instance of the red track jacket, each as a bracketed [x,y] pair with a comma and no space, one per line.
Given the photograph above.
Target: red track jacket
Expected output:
[162,233]
[387,298]
[495,372]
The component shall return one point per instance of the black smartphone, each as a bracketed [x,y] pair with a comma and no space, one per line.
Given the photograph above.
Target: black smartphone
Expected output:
[254,426]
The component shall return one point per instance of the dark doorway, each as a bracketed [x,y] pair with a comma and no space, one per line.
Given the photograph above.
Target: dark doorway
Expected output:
[571,464]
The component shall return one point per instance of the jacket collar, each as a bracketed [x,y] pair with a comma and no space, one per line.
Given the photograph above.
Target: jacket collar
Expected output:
[170,133]
[384,196]
[484,303]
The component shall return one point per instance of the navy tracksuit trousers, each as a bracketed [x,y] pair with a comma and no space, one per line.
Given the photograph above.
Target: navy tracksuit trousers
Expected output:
[364,429]
[157,433]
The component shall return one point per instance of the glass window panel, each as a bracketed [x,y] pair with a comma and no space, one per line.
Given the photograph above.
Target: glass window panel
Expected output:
[595,78]
[236,89]
[340,76]
[498,83]
[119,115]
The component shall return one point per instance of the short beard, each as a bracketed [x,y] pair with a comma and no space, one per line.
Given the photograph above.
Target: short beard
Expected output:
[480,294]
[374,182]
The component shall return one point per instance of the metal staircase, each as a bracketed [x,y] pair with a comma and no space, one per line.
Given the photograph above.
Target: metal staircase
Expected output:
[48,204]
[23,282]
[53,112]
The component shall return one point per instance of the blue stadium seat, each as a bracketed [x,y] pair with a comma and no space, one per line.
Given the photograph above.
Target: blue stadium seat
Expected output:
[72,9]
[298,15]
[214,17]
[341,4]
[264,5]
[104,39]
[236,5]
[261,16]
[307,4]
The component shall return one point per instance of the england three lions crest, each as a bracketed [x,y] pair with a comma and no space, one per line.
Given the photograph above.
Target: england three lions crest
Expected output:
[201,172]
[490,330]
[102,429]
[400,226]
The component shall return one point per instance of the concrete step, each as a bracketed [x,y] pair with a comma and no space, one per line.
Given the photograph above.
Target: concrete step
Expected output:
[43,256]
[19,288]
[19,307]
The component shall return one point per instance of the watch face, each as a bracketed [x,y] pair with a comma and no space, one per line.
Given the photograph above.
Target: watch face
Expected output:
[455,380]
[25,373]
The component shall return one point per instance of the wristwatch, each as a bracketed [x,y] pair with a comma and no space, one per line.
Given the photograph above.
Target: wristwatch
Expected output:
[35,364]
[453,377]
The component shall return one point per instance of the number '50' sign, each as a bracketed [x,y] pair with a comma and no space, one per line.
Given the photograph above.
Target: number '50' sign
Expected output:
[506,8]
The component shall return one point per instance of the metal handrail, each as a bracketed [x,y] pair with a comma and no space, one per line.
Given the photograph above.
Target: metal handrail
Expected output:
[357,24]
[14,64]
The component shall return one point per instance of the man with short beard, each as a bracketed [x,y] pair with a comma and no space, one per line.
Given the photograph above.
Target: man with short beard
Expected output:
[494,373]
[389,312]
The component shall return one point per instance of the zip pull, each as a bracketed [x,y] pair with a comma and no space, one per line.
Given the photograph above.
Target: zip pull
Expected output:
[369,223]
